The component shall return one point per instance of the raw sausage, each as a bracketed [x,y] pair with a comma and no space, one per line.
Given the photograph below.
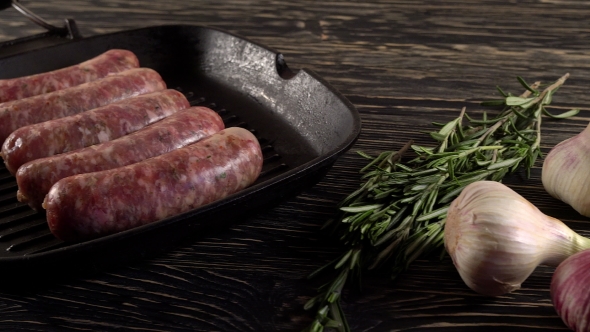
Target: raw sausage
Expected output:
[91,127]
[19,113]
[90,205]
[184,127]
[95,126]
[112,61]
[187,126]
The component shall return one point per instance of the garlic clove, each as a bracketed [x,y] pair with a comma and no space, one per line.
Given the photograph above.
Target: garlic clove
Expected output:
[496,238]
[565,172]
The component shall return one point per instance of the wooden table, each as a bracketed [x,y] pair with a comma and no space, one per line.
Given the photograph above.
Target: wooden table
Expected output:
[403,64]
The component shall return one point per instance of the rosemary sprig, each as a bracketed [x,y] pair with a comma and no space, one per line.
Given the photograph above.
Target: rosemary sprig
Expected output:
[397,215]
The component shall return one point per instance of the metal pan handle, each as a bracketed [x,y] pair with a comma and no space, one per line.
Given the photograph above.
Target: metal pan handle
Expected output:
[70,30]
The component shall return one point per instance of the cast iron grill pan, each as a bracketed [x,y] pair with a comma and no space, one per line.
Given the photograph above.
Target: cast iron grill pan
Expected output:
[302,124]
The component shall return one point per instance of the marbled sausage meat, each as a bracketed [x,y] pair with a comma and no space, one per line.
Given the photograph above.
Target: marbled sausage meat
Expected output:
[187,126]
[19,113]
[112,61]
[95,126]
[96,204]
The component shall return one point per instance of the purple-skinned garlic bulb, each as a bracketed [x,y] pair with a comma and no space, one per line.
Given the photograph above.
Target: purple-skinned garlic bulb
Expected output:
[496,238]
[565,170]
[570,294]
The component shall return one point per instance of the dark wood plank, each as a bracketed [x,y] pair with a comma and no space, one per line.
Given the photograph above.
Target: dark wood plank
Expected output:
[403,64]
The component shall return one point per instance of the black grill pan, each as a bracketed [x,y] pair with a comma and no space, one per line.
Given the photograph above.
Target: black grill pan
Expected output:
[303,125]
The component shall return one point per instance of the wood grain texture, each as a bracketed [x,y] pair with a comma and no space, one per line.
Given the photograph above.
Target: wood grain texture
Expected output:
[403,64]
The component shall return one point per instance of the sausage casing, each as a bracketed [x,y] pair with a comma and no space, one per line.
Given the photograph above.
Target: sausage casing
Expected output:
[109,62]
[91,127]
[19,113]
[96,204]
[184,127]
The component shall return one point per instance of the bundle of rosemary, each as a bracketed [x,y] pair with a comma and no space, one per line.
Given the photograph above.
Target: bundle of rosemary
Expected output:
[398,213]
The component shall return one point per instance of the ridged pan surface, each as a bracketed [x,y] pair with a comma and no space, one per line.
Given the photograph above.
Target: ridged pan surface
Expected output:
[302,123]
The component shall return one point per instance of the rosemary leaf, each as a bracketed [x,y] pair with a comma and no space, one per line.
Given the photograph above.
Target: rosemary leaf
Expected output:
[504,164]
[361,208]
[518,101]
[434,214]
[563,115]
[527,86]
[499,102]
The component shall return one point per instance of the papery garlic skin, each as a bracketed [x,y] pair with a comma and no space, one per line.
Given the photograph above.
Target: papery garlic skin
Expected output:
[496,238]
[570,291]
[566,171]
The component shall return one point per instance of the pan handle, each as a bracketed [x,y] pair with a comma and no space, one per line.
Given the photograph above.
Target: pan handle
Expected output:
[70,30]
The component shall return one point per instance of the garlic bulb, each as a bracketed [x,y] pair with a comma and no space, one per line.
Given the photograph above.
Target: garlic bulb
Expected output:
[496,238]
[565,172]
[569,291]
